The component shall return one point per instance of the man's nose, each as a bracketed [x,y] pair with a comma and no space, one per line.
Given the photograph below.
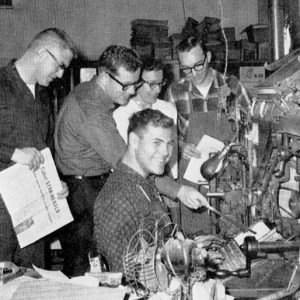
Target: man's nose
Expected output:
[194,72]
[164,150]
[131,90]
[157,89]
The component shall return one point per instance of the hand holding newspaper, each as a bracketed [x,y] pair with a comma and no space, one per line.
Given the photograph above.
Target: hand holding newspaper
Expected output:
[31,200]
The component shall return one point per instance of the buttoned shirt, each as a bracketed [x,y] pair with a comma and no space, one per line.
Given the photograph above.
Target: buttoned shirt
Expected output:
[87,142]
[226,95]
[126,199]
[25,120]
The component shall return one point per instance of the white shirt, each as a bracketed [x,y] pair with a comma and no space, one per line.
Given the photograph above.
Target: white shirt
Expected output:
[122,115]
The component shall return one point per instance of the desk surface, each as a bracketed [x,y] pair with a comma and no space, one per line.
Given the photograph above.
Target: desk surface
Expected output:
[27,288]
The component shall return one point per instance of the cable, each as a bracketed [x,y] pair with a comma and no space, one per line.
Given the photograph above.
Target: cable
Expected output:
[224,36]
[183,8]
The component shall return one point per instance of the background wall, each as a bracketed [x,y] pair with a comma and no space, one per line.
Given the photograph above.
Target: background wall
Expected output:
[95,24]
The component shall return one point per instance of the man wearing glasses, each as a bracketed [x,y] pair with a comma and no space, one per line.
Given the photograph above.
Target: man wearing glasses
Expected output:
[152,81]
[207,103]
[88,145]
[26,124]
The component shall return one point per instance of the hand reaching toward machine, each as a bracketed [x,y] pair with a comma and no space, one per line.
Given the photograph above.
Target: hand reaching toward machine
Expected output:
[192,198]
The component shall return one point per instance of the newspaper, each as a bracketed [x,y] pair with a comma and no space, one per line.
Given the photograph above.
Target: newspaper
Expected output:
[31,200]
[206,146]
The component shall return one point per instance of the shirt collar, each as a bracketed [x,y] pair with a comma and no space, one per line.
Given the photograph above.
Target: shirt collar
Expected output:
[98,92]
[134,176]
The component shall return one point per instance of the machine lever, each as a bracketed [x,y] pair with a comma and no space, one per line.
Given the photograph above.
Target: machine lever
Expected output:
[243,227]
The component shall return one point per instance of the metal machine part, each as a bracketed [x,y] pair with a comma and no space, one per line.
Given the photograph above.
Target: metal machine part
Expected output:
[252,248]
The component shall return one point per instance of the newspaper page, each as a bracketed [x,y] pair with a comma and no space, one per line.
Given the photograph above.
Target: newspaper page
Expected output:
[31,200]
[206,146]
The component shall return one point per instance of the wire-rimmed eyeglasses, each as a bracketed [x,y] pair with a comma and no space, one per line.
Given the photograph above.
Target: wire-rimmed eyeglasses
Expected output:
[153,85]
[61,66]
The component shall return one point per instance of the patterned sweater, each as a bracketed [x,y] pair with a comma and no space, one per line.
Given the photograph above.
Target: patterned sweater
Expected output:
[123,203]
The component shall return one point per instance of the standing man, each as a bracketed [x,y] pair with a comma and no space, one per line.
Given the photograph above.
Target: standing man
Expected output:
[130,195]
[207,103]
[25,123]
[88,145]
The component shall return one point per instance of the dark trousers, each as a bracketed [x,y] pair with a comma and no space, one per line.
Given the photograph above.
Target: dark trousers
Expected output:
[77,237]
[9,245]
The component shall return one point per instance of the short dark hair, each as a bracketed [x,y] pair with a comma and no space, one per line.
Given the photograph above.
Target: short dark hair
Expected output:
[116,56]
[51,36]
[140,120]
[190,43]
[152,64]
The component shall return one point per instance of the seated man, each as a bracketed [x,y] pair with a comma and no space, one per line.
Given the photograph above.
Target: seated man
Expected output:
[130,193]
[152,77]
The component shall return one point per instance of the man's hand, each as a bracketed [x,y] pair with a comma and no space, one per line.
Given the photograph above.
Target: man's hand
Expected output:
[28,156]
[189,150]
[64,192]
[192,198]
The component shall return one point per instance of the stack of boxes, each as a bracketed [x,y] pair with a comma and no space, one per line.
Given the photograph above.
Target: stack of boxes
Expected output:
[258,38]
[150,38]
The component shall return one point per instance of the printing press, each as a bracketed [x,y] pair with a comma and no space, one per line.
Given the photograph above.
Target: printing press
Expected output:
[256,179]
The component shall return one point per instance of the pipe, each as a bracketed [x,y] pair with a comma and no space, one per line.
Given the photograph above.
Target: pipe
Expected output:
[277,29]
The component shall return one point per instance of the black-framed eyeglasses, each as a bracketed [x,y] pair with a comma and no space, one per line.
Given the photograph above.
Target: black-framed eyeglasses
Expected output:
[153,85]
[126,86]
[199,66]
[61,66]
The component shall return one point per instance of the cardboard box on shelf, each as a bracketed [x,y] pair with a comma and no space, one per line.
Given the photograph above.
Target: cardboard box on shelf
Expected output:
[229,33]
[144,51]
[264,51]
[163,51]
[252,75]
[234,51]
[149,22]
[248,50]
[257,33]
[175,39]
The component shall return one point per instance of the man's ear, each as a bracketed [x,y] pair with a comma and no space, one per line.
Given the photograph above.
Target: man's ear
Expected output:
[103,79]
[208,55]
[133,140]
[41,53]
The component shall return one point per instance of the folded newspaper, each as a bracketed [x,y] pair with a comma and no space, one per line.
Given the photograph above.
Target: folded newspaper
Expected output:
[31,200]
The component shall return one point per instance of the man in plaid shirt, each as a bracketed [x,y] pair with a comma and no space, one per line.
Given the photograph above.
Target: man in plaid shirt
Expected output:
[208,103]
[130,196]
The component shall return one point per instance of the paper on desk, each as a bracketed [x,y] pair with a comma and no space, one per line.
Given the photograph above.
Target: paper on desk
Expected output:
[31,200]
[206,146]
[52,275]
[263,233]
[61,277]
[44,289]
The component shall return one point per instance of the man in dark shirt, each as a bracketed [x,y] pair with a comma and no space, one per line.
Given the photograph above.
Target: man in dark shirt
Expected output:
[130,194]
[25,123]
[88,144]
